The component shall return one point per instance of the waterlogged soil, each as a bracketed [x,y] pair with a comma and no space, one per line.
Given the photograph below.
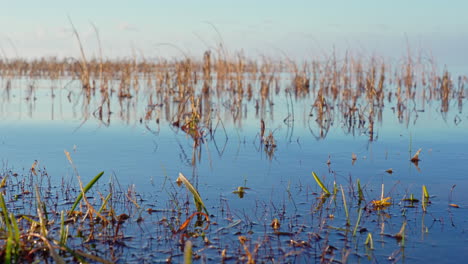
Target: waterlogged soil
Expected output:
[262,200]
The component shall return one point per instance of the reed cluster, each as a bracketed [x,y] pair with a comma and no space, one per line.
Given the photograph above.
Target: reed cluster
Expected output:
[189,91]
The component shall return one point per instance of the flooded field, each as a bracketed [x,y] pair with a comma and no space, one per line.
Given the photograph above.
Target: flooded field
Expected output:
[226,159]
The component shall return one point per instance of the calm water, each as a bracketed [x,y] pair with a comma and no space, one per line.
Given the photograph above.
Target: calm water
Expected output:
[148,156]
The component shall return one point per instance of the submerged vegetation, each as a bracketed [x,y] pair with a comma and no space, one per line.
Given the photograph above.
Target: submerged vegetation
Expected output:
[340,220]
[110,224]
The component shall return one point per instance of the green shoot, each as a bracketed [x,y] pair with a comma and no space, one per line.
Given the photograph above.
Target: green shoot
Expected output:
[425,192]
[345,205]
[63,231]
[86,189]
[104,204]
[15,230]
[9,249]
[357,222]
[40,213]
[360,193]
[369,241]
[425,198]
[196,196]
[5,212]
[319,182]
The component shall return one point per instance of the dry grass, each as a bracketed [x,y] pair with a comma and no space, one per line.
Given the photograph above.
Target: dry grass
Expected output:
[351,89]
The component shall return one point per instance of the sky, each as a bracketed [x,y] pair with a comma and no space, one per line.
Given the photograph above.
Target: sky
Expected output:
[297,29]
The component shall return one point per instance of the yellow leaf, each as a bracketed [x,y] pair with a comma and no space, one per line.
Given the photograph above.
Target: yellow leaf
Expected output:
[381,204]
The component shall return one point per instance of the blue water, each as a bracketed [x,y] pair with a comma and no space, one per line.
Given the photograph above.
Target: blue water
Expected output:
[127,150]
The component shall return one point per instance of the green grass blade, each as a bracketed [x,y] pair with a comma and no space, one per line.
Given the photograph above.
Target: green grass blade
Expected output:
[86,189]
[104,204]
[15,235]
[44,209]
[425,198]
[40,214]
[15,229]
[345,205]
[196,196]
[9,248]
[63,230]
[369,241]
[357,222]
[5,212]
[30,220]
[360,193]
[425,192]
[319,182]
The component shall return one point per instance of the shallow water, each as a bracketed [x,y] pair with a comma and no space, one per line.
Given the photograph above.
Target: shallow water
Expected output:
[148,156]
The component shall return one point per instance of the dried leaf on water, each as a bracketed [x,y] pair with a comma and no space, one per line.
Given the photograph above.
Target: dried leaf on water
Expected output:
[275,224]
[415,158]
[400,236]
[299,243]
[411,199]
[179,182]
[389,171]
[185,224]
[454,205]
[122,217]
[240,191]
[381,204]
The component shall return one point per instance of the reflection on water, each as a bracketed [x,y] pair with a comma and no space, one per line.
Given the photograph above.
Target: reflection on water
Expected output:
[355,108]
[259,129]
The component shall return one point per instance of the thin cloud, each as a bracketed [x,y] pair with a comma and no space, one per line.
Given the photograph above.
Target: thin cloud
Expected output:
[40,32]
[64,32]
[124,26]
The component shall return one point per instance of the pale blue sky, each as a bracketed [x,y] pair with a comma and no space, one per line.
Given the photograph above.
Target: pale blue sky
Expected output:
[296,28]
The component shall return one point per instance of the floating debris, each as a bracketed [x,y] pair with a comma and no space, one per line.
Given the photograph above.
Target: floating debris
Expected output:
[275,224]
[240,191]
[415,158]
[381,204]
